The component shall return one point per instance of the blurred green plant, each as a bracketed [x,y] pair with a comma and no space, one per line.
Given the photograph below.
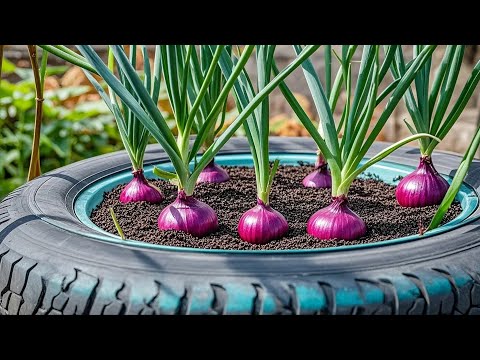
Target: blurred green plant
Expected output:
[68,134]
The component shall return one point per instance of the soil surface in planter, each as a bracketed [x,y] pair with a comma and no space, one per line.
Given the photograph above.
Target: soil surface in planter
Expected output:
[374,201]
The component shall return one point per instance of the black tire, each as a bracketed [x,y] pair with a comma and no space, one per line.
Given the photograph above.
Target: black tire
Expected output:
[46,269]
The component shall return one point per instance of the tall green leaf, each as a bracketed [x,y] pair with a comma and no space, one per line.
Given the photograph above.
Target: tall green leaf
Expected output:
[322,105]
[456,182]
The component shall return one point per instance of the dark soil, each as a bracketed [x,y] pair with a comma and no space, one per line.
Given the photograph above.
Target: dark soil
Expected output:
[371,199]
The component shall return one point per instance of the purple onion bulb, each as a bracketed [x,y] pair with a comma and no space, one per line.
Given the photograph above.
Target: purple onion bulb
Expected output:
[139,189]
[213,174]
[189,215]
[320,177]
[423,187]
[262,224]
[336,221]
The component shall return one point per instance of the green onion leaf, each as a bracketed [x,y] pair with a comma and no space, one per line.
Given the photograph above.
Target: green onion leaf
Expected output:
[456,182]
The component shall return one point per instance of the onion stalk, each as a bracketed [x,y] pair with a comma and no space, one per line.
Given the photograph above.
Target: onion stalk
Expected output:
[133,134]
[427,106]
[344,154]
[186,213]
[262,223]
[320,177]
[213,173]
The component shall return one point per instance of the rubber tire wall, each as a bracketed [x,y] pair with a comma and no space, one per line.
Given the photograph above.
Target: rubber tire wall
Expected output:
[46,269]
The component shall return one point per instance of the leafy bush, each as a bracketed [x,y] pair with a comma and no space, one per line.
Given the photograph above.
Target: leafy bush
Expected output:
[72,129]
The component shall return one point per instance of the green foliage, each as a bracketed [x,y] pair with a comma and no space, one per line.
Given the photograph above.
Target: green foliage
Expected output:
[68,134]
[68,55]
[257,125]
[344,155]
[427,104]
[187,86]
[456,182]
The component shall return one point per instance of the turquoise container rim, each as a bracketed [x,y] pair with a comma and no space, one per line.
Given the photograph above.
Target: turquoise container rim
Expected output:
[92,195]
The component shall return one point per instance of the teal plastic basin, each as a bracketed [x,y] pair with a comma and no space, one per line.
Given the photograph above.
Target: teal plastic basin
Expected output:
[91,196]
